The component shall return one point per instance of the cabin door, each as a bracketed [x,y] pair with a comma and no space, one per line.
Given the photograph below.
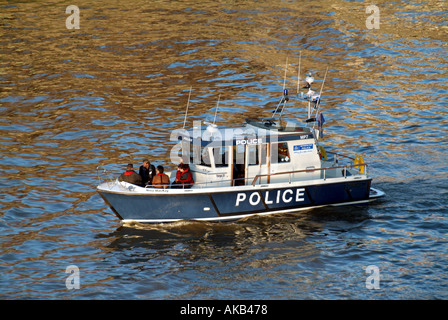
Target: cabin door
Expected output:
[257,162]
[239,168]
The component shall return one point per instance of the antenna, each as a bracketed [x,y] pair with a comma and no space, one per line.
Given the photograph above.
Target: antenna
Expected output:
[284,78]
[320,93]
[186,111]
[216,111]
[285,94]
[298,74]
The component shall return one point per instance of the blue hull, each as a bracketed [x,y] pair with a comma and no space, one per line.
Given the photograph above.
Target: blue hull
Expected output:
[229,205]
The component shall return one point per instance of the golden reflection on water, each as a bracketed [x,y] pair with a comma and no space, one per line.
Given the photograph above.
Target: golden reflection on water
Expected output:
[119,84]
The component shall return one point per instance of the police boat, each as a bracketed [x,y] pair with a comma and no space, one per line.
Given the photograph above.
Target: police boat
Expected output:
[265,166]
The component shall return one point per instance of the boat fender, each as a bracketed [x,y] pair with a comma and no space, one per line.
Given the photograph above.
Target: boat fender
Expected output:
[322,153]
[359,160]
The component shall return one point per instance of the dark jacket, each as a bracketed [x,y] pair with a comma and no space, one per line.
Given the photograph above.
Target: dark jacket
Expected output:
[147,174]
[131,177]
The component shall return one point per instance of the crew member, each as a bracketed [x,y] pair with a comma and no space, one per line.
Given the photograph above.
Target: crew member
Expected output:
[130,176]
[178,172]
[160,180]
[147,172]
[186,177]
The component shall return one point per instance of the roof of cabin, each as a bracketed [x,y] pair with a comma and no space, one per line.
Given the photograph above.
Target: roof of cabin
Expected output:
[255,131]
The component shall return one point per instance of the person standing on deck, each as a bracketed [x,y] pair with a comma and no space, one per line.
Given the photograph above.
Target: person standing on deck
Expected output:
[147,172]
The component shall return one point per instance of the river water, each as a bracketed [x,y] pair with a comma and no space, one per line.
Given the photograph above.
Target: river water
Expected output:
[112,91]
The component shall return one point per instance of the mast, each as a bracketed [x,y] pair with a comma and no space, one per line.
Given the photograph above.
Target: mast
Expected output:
[298,74]
[186,111]
[320,93]
[216,111]
[285,96]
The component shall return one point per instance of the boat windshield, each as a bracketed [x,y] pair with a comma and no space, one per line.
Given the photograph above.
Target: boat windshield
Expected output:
[276,124]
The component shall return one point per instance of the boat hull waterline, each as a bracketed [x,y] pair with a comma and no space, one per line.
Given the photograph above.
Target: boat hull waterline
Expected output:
[133,204]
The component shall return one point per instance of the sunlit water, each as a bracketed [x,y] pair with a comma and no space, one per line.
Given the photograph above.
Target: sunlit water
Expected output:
[112,91]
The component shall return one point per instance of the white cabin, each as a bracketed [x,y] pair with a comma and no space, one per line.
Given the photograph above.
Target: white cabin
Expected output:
[263,149]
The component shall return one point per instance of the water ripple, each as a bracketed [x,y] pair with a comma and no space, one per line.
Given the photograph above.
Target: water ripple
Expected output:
[111,93]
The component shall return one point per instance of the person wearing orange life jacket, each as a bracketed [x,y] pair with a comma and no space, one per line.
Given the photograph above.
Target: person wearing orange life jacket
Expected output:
[160,180]
[130,176]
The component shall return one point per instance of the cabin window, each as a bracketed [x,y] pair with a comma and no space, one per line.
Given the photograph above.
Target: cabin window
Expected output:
[280,153]
[253,154]
[263,153]
[238,154]
[221,156]
[185,151]
[195,152]
[205,157]
[257,154]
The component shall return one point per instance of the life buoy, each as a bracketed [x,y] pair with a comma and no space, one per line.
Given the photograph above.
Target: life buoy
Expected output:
[323,153]
[359,160]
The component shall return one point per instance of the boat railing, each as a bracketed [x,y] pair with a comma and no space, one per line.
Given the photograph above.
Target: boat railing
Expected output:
[336,155]
[104,176]
[323,170]
[345,172]
[360,168]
